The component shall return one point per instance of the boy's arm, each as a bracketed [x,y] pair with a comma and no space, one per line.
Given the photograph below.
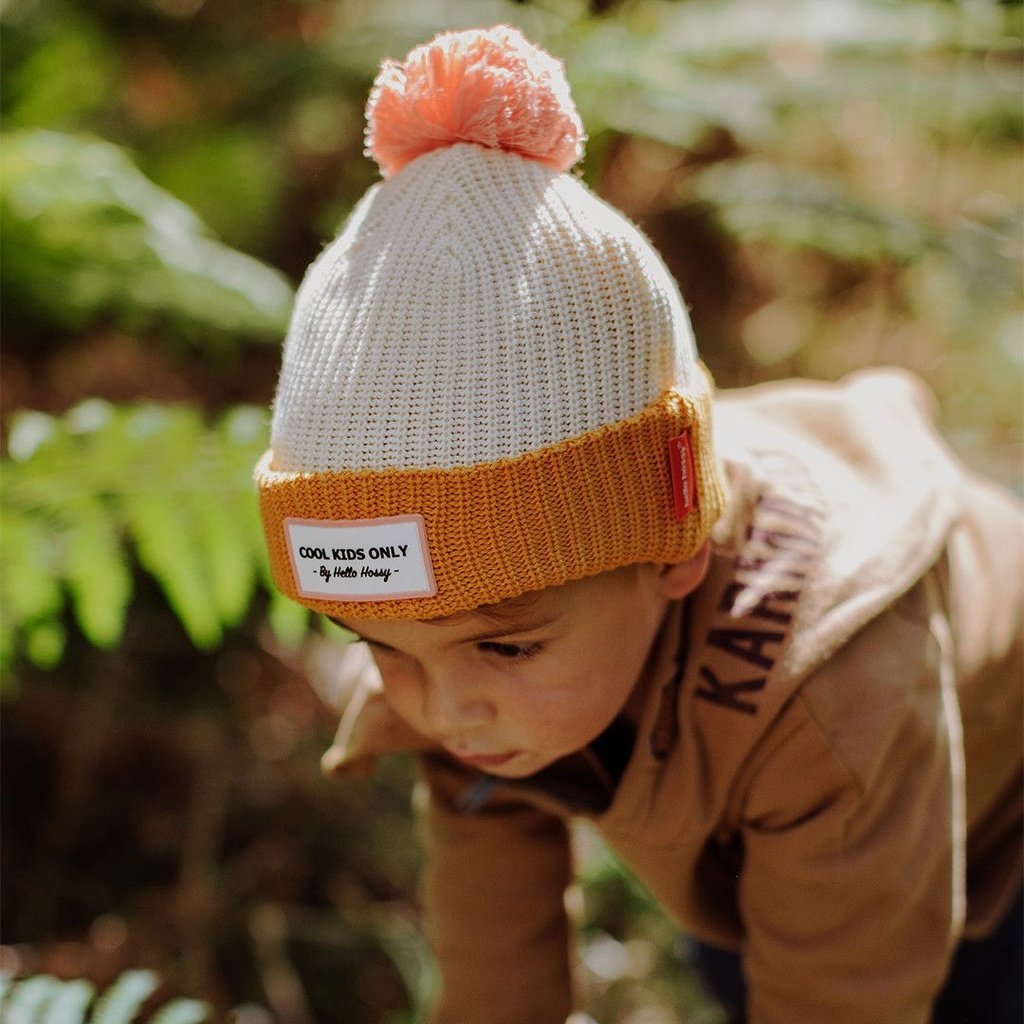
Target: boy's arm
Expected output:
[852,887]
[494,894]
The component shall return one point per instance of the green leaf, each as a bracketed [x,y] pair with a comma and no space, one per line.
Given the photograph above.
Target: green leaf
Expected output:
[757,200]
[226,552]
[161,518]
[633,83]
[676,72]
[8,646]
[120,1003]
[81,221]
[288,619]
[44,643]
[97,573]
[408,951]
[231,177]
[70,73]
[85,491]
[710,28]
[43,999]
[29,998]
[70,1003]
[29,431]
[29,573]
[183,1011]
[167,548]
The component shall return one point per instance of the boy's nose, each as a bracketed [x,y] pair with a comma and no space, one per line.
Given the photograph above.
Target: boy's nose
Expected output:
[451,705]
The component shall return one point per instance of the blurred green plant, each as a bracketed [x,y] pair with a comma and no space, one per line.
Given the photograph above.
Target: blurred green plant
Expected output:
[85,489]
[83,224]
[676,72]
[44,999]
[632,955]
[835,182]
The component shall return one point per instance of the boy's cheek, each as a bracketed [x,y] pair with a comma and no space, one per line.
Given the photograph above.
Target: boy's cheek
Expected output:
[398,693]
[395,676]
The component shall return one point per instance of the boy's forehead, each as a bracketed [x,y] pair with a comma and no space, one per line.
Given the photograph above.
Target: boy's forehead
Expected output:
[503,612]
[525,611]
[515,613]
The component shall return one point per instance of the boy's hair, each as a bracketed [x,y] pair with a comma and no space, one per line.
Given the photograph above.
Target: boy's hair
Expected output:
[490,384]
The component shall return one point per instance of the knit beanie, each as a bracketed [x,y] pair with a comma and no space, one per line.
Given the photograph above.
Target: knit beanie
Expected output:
[489,383]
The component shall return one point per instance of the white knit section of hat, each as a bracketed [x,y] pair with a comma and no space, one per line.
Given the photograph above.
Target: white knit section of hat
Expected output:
[477,306]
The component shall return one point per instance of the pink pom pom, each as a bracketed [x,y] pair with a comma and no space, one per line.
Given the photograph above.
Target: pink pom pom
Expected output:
[488,86]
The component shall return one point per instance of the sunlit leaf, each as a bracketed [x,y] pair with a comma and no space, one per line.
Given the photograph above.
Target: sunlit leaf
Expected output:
[182,1011]
[102,488]
[71,72]
[226,551]
[44,643]
[97,574]
[70,1003]
[29,570]
[81,221]
[30,998]
[678,71]
[120,1002]
[232,179]
[711,28]
[29,431]
[288,619]
[759,201]
[44,999]
[166,545]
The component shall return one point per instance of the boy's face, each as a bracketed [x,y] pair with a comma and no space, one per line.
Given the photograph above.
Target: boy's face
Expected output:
[512,688]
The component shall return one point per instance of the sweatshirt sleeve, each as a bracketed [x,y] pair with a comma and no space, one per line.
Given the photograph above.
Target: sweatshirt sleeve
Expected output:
[852,885]
[494,890]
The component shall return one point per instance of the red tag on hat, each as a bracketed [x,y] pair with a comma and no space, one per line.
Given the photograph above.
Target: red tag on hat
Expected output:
[680,461]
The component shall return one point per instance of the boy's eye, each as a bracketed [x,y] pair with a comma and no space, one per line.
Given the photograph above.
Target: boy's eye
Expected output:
[511,652]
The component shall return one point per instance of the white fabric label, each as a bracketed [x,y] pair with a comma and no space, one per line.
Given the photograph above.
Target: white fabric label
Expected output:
[361,559]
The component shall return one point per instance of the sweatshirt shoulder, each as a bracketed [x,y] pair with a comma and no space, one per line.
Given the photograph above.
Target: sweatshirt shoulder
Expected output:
[885,492]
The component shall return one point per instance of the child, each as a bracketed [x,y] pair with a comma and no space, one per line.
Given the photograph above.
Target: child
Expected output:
[770,648]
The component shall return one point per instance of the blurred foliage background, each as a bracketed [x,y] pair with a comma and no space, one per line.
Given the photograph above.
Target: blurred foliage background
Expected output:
[835,183]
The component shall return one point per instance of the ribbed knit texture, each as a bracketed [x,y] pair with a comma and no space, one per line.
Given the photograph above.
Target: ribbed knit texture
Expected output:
[476,307]
[500,529]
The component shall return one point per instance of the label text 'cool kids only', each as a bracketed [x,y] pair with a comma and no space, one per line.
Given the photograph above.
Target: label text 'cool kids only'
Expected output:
[355,554]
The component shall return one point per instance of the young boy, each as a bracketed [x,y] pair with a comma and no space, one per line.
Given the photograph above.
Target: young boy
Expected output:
[778,668]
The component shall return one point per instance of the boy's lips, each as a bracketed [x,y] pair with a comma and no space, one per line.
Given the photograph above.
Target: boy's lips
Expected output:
[486,760]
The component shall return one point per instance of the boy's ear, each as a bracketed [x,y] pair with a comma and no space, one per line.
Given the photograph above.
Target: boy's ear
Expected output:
[682,578]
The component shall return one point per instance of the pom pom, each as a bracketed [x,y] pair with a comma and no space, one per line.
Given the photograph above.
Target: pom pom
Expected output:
[488,86]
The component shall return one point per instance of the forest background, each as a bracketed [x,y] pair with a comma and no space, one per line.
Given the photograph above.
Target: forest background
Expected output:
[835,183]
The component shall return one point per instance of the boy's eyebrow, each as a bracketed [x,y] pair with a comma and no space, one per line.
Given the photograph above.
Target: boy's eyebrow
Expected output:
[523,624]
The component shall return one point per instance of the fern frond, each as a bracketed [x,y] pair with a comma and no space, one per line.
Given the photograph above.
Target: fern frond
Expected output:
[89,494]
[120,1002]
[69,1005]
[182,1011]
[44,999]
[29,999]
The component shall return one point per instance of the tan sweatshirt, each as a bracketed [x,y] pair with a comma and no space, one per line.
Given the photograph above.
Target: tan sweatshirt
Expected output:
[827,770]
